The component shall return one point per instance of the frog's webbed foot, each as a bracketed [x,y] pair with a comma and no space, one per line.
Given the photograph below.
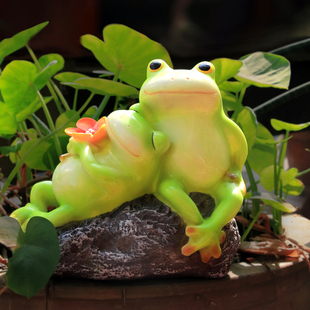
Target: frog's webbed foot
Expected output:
[206,239]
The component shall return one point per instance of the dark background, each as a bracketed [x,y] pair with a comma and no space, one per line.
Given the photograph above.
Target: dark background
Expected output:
[191,30]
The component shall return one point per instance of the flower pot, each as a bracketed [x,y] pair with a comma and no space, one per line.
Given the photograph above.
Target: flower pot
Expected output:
[259,285]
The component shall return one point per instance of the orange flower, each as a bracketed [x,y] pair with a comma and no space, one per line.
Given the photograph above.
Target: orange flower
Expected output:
[88,130]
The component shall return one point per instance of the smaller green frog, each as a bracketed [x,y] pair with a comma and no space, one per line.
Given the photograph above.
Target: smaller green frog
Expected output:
[99,174]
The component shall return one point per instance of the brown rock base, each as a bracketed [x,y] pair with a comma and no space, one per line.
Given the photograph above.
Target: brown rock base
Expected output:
[141,239]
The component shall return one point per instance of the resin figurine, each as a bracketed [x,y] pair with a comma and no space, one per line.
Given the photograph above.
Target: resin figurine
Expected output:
[109,162]
[207,152]
[175,141]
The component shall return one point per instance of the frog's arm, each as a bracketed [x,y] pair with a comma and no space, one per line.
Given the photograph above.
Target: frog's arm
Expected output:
[94,169]
[172,193]
[238,144]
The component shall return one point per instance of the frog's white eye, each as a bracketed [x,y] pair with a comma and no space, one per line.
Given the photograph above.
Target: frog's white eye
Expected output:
[205,67]
[155,65]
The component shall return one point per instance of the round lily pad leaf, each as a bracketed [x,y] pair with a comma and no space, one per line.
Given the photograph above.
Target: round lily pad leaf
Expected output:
[35,258]
[125,51]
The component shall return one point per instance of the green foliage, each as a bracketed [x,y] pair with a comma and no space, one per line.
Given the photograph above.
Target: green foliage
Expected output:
[11,45]
[125,52]
[34,259]
[265,70]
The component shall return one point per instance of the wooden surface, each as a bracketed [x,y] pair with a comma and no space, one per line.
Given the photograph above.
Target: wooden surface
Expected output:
[281,287]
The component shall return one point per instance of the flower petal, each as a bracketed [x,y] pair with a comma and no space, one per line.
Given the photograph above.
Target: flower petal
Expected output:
[99,134]
[85,123]
[69,131]
[81,136]
[100,123]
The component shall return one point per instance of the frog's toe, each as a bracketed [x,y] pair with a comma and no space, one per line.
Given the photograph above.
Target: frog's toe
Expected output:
[222,237]
[205,255]
[189,249]
[208,252]
[191,231]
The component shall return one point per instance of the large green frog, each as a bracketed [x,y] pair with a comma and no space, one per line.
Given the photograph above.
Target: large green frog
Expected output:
[207,152]
[98,175]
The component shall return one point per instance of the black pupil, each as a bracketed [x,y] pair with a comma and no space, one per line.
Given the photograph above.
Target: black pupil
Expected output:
[155,65]
[204,66]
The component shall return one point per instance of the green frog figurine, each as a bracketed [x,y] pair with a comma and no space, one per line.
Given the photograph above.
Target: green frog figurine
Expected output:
[109,162]
[207,153]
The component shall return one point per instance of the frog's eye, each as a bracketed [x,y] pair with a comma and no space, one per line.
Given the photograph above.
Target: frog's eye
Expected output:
[155,65]
[205,67]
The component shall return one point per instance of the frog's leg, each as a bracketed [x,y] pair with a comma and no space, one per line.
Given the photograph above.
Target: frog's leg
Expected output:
[41,197]
[58,217]
[172,193]
[207,237]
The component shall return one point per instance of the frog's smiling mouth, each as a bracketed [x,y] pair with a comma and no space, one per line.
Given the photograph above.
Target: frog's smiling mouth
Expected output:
[108,125]
[180,92]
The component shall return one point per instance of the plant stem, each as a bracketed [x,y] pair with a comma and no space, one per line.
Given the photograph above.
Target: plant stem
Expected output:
[242,93]
[253,187]
[50,124]
[282,98]
[60,95]
[25,156]
[253,222]
[106,97]
[75,99]
[302,172]
[49,86]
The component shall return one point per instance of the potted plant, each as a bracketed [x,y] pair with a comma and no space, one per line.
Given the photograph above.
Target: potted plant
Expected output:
[33,144]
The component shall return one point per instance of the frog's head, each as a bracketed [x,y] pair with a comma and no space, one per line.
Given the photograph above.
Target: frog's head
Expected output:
[180,91]
[134,136]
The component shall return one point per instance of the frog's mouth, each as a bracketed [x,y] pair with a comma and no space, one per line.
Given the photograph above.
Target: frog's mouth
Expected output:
[114,135]
[180,92]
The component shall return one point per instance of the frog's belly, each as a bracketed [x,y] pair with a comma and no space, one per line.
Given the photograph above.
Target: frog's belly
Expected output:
[72,186]
[199,168]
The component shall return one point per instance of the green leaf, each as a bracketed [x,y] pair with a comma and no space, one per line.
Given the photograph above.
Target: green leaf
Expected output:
[14,148]
[35,259]
[45,60]
[64,117]
[265,70]
[246,120]
[267,177]
[294,188]
[9,46]
[126,51]
[9,229]
[16,84]
[232,87]
[274,201]
[35,160]
[279,125]
[90,112]
[8,123]
[69,77]
[103,87]
[225,69]
[32,108]
[261,155]
[230,101]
